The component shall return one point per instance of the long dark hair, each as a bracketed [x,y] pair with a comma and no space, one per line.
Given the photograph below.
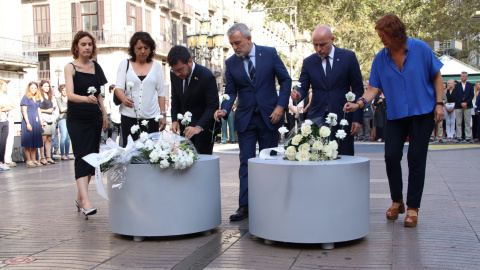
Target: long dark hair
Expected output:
[49,93]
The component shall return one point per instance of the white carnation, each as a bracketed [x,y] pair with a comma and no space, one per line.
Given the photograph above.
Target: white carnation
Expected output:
[350,96]
[188,114]
[164,164]
[343,122]
[283,130]
[179,116]
[341,134]
[158,117]
[143,135]
[130,84]
[144,123]
[134,129]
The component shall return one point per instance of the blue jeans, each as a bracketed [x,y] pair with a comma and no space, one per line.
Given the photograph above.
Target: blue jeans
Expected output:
[64,138]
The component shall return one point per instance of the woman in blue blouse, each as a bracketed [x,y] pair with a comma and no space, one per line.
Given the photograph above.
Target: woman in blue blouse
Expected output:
[408,73]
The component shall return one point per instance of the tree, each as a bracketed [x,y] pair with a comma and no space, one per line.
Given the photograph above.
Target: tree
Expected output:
[353,22]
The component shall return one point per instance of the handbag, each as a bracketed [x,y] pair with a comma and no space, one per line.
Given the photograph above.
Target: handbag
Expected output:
[115,98]
[48,118]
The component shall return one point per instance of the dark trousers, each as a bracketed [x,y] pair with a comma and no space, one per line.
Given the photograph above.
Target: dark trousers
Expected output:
[203,141]
[114,131]
[256,130]
[3,139]
[419,128]
[128,123]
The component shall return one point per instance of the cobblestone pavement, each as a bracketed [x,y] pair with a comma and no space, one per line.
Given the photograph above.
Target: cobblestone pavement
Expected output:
[40,227]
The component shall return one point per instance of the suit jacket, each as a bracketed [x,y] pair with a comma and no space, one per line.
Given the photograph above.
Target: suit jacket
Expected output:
[201,97]
[330,96]
[268,66]
[460,96]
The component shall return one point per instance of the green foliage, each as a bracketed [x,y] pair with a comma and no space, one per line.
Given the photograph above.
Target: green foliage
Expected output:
[353,22]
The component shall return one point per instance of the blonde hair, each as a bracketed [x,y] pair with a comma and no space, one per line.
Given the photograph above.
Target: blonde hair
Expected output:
[30,95]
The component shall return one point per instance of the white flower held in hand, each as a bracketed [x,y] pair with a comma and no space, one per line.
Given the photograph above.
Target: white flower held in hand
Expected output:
[179,116]
[343,122]
[350,97]
[158,117]
[130,85]
[225,97]
[283,130]
[341,134]
[91,90]
[134,129]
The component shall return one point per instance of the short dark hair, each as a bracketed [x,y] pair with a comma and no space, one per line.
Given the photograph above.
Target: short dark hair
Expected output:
[145,38]
[178,53]
[393,28]
[61,87]
[76,39]
[112,86]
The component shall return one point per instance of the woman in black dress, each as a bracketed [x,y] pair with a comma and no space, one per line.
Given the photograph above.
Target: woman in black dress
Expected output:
[86,113]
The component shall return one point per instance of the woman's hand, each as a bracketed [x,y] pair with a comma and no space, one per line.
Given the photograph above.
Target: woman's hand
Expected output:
[128,102]
[91,99]
[105,122]
[351,107]
[29,127]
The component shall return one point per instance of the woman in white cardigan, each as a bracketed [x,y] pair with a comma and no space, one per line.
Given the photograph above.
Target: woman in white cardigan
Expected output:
[141,89]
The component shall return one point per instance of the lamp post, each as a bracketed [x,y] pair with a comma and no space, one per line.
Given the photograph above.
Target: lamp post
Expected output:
[205,44]
[58,72]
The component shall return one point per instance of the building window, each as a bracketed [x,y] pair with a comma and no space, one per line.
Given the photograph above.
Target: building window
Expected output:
[163,28]
[174,33]
[148,21]
[90,16]
[134,17]
[185,34]
[41,25]
[43,67]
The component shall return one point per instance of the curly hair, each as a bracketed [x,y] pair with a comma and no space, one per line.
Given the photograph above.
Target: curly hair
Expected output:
[393,28]
[145,38]
[79,35]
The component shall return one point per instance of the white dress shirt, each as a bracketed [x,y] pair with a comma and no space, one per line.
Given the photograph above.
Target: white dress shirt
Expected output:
[144,93]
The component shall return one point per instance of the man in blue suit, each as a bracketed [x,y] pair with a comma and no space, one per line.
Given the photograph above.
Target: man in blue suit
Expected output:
[332,72]
[463,95]
[250,77]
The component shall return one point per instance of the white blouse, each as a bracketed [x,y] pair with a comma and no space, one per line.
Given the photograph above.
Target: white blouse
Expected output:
[144,93]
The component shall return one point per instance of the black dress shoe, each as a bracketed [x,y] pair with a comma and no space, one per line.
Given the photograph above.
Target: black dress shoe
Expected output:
[241,214]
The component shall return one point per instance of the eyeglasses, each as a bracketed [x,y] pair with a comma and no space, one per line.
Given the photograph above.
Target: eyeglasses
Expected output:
[179,70]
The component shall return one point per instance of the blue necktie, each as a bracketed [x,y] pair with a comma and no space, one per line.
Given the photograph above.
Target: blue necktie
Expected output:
[251,68]
[328,68]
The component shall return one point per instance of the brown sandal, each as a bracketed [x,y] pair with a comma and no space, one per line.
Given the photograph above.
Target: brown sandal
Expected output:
[414,219]
[395,211]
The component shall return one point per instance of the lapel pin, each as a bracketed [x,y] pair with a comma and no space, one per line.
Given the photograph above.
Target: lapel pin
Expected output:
[195,78]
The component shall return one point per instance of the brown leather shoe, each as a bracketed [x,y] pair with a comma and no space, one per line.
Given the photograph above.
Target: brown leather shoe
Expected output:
[392,213]
[413,219]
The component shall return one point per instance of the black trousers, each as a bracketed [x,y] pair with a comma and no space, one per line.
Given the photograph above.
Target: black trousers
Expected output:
[3,139]
[128,123]
[203,141]
[419,128]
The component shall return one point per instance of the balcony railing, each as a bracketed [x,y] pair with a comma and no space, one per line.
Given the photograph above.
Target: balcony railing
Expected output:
[18,51]
[188,11]
[43,75]
[177,7]
[63,41]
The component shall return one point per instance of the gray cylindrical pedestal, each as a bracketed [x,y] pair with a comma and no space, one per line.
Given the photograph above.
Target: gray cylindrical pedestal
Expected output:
[309,202]
[164,202]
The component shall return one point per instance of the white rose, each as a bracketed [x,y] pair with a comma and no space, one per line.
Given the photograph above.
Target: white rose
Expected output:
[333,144]
[296,140]
[303,156]
[306,129]
[341,134]
[291,151]
[315,157]
[158,117]
[343,122]
[327,150]
[304,147]
[308,122]
[350,96]
[134,129]
[144,123]
[292,158]
[334,154]
[179,116]
[317,145]
[324,131]
[283,130]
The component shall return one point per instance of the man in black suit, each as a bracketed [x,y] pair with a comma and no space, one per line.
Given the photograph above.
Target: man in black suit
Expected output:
[463,95]
[194,89]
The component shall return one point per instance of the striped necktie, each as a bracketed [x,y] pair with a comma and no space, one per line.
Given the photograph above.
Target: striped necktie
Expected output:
[251,68]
